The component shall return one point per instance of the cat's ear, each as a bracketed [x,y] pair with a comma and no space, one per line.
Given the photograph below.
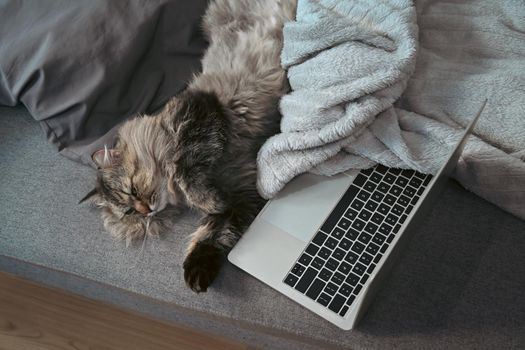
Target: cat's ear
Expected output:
[88,196]
[105,157]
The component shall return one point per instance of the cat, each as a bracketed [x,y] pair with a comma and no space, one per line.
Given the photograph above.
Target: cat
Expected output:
[200,150]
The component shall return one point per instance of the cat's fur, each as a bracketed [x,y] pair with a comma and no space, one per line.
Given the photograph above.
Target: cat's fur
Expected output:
[201,149]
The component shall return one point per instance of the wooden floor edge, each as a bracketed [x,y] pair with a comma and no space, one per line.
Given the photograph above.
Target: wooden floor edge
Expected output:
[33,316]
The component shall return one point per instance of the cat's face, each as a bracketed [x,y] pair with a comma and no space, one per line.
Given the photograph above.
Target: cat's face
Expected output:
[128,186]
[131,179]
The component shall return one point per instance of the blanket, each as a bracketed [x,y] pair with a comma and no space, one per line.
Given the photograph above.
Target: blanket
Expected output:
[360,97]
[83,67]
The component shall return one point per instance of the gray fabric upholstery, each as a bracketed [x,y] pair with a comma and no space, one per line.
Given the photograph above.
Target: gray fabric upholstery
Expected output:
[459,284]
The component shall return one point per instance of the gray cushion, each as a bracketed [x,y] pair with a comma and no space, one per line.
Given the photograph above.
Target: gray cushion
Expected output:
[459,284]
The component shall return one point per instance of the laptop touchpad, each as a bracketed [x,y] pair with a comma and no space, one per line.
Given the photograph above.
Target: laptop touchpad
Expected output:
[303,205]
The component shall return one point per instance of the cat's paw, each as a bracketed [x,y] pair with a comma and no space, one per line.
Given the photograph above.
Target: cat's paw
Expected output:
[202,266]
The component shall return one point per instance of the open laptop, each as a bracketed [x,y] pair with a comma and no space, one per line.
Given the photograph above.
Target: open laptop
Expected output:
[328,242]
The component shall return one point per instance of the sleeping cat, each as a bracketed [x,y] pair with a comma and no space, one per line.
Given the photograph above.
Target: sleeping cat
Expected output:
[200,150]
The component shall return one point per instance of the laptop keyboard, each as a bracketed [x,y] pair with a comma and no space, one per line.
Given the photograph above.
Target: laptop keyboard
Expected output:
[343,253]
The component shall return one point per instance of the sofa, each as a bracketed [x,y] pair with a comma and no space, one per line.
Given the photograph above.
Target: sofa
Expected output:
[458,285]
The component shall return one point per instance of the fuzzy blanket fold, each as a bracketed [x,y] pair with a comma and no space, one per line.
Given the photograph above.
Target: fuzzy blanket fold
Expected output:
[348,63]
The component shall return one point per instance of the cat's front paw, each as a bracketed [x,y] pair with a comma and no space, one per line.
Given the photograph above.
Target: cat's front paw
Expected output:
[202,266]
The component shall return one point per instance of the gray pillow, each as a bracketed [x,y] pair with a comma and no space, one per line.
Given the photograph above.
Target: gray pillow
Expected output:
[82,67]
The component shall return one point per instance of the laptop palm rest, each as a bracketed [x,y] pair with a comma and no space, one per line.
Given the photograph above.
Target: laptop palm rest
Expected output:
[301,207]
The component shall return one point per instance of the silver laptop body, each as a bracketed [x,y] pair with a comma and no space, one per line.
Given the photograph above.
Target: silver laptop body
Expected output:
[288,248]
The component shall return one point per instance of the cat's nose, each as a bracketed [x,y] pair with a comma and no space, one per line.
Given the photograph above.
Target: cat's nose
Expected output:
[142,208]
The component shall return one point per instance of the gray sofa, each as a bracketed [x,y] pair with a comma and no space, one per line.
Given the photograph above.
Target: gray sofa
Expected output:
[460,284]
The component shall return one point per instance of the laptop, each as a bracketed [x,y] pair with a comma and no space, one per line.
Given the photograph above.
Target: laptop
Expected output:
[328,242]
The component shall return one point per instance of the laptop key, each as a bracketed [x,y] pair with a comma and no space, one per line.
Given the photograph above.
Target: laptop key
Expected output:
[377,218]
[350,300]
[337,303]
[408,173]
[419,175]
[371,228]
[357,289]
[371,205]
[312,249]
[377,258]
[395,190]
[324,299]
[366,258]
[427,180]
[344,268]
[358,247]
[338,278]
[331,243]
[377,196]
[298,269]
[375,177]
[330,288]
[403,218]
[338,254]
[305,259]
[351,214]
[319,238]
[364,238]
[397,209]
[338,232]
[325,274]
[359,269]
[389,178]
[391,219]
[358,224]
[378,239]
[306,280]
[396,229]
[363,195]
[372,248]
[324,253]
[343,223]
[364,278]
[385,229]
[415,182]
[389,199]
[331,264]
[367,171]
[291,280]
[401,181]
[352,234]
[390,238]
[384,248]
[345,244]
[383,209]
[317,263]
[365,215]
[381,168]
[344,310]
[351,257]
[383,187]
[359,180]
[371,268]
[357,204]
[409,191]
[370,186]
[346,290]
[315,289]
[352,279]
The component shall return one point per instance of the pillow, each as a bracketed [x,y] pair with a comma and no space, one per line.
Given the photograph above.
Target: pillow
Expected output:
[83,67]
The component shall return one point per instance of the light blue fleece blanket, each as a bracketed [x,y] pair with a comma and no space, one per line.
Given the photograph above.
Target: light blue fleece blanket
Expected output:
[350,61]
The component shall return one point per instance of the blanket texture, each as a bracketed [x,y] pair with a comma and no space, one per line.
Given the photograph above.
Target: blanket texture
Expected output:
[350,61]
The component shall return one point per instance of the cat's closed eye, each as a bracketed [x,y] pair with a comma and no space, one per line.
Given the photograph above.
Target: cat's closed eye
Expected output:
[129,211]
